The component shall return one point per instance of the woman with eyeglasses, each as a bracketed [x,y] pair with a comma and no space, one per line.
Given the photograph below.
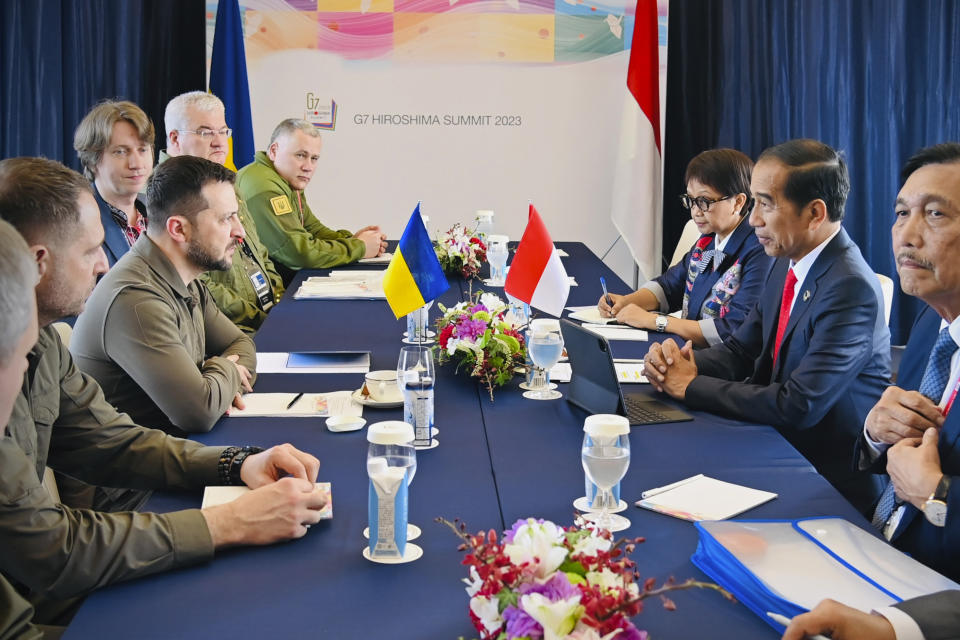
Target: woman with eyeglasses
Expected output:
[719,279]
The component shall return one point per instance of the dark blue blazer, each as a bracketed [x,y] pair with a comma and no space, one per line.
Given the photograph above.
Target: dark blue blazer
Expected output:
[754,264]
[834,363]
[114,241]
[934,546]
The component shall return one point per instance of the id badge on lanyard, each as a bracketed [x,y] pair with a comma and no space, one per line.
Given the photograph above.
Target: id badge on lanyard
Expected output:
[261,285]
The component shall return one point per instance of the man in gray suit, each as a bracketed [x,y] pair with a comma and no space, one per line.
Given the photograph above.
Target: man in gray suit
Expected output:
[932,617]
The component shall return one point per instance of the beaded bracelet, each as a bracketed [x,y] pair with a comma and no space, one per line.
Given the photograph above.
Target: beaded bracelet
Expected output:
[231,459]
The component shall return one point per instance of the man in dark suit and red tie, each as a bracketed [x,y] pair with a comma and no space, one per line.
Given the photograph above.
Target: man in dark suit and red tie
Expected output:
[913,433]
[813,356]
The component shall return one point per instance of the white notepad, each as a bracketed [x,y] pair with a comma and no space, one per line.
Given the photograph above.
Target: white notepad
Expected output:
[704,498]
[308,405]
[213,496]
[617,332]
[591,315]
[381,259]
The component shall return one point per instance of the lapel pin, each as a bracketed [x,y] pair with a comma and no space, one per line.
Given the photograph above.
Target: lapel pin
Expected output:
[806,295]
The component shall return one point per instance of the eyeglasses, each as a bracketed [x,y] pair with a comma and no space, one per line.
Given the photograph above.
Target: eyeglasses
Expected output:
[702,203]
[206,134]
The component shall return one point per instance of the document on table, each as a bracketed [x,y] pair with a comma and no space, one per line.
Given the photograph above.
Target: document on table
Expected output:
[590,315]
[630,371]
[343,285]
[562,253]
[304,405]
[561,372]
[617,332]
[213,496]
[703,498]
[381,259]
[313,362]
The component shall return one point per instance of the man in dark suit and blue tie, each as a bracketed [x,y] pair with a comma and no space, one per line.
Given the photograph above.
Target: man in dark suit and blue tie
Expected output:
[912,432]
[813,356]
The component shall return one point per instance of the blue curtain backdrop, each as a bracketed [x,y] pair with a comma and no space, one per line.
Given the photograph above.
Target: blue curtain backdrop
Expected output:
[60,57]
[876,79]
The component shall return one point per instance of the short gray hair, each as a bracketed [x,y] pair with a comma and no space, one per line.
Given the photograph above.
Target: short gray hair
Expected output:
[288,126]
[18,278]
[175,116]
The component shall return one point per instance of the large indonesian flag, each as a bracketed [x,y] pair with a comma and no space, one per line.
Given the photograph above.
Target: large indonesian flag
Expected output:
[637,184]
[536,274]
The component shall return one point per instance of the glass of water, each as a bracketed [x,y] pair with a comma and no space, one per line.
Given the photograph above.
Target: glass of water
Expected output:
[497,254]
[605,457]
[545,347]
[415,377]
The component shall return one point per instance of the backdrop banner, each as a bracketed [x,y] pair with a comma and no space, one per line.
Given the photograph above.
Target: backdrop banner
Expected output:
[461,104]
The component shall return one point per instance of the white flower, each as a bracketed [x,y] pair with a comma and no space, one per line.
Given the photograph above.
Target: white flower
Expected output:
[586,632]
[452,344]
[590,545]
[491,301]
[557,618]
[535,541]
[605,579]
[473,582]
[487,610]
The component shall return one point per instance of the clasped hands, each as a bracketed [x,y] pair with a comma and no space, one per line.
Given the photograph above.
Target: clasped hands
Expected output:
[374,241]
[282,505]
[910,422]
[670,368]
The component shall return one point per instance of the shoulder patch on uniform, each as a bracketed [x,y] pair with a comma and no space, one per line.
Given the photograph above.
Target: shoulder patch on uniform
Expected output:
[281,205]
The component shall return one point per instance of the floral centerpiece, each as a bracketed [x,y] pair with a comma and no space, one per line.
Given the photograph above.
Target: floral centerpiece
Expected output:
[544,581]
[483,335]
[460,252]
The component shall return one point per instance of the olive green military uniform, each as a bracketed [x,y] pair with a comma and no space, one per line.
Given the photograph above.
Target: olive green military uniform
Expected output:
[233,289]
[15,615]
[61,420]
[291,233]
[145,338]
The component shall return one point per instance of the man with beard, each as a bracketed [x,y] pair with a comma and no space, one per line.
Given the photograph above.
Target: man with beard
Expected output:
[149,326]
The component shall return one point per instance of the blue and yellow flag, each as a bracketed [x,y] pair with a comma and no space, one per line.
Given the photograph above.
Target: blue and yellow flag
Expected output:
[414,276]
[228,81]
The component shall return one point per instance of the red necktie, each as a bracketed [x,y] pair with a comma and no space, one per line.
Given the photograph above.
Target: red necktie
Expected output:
[785,303]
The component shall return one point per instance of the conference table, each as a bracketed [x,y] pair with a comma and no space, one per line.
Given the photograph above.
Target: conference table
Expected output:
[496,462]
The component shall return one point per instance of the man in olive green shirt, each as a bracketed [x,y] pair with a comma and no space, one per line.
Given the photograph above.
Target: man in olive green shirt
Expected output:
[196,126]
[152,336]
[60,418]
[272,186]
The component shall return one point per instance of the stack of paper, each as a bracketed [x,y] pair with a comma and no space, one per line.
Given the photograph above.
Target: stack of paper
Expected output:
[703,498]
[590,315]
[384,258]
[342,285]
[297,405]
[617,332]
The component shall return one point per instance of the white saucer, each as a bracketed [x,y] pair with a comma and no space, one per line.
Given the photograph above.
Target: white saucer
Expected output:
[367,401]
[339,424]
[526,387]
[413,552]
[413,532]
[409,341]
[433,445]
[430,334]
[582,504]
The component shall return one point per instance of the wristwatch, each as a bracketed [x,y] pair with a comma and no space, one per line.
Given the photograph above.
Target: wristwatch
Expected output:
[935,508]
[661,323]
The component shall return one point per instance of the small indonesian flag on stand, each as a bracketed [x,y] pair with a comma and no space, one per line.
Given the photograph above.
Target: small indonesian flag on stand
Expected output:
[536,275]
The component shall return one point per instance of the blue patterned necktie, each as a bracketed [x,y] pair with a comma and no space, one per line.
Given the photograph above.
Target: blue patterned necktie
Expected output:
[934,381]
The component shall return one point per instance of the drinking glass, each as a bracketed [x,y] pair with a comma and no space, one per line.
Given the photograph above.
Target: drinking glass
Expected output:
[497,254]
[415,377]
[545,346]
[418,322]
[605,457]
[397,449]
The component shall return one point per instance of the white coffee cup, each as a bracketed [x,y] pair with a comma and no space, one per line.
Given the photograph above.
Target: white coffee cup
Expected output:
[382,385]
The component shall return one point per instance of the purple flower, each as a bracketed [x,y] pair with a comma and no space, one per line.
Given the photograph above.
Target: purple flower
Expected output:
[478,307]
[471,329]
[519,624]
[630,632]
[558,587]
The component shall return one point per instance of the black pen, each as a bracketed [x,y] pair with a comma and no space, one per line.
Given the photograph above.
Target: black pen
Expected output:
[294,401]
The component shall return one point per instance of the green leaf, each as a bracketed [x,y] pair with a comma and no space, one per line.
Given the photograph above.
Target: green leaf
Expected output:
[572,567]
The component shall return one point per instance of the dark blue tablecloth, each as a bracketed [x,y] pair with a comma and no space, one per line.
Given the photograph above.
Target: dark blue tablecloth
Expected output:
[497,462]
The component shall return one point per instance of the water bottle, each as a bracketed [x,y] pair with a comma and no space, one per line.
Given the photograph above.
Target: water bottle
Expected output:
[391,464]
[484,224]
[418,406]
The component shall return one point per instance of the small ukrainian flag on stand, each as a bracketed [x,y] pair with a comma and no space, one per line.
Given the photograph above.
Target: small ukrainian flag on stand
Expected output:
[414,276]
